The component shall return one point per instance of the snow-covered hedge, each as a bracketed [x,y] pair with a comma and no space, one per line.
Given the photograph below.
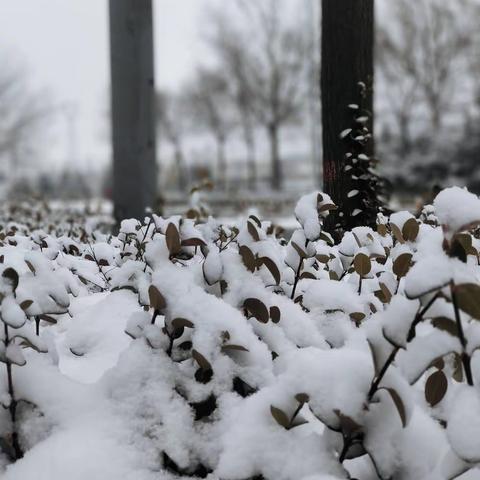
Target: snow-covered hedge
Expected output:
[182,347]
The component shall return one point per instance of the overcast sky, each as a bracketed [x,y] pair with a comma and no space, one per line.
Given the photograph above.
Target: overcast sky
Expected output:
[64,46]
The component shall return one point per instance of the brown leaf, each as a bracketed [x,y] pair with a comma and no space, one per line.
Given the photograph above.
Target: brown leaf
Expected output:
[30,266]
[397,400]
[275,314]
[193,242]
[256,220]
[458,369]
[299,250]
[252,230]
[248,258]
[280,417]
[410,230]
[302,397]
[362,264]
[357,316]
[12,275]
[26,304]
[48,319]
[203,363]
[272,267]
[327,207]
[382,229]
[375,357]
[468,298]
[178,323]
[157,300]
[386,292]
[402,264]
[446,325]
[257,308]
[436,388]
[240,348]
[323,258]
[308,276]
[347,424]
[397,233]
[173,239]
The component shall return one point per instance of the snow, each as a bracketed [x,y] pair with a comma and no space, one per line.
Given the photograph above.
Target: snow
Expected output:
[308,214]
[457,208]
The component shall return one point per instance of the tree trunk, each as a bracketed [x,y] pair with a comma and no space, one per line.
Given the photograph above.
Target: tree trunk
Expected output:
[221,164]
[132,106]
[251,162]
[181,171]
[347,59]
[276,173]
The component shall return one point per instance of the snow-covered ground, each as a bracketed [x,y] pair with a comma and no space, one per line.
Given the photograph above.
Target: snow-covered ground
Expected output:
[192,348]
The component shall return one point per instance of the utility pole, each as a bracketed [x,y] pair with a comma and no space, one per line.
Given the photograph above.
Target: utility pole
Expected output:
[132,107]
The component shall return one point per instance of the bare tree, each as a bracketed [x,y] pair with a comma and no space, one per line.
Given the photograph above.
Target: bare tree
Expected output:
[22,115]
[419,51]
[268,58]
[233,64]
[171,125]
[426,71]
[210,103]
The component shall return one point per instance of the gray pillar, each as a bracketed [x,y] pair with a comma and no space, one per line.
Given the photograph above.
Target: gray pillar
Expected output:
[132,107]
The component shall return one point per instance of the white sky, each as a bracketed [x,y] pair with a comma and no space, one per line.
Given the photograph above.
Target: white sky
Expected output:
[64,46]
